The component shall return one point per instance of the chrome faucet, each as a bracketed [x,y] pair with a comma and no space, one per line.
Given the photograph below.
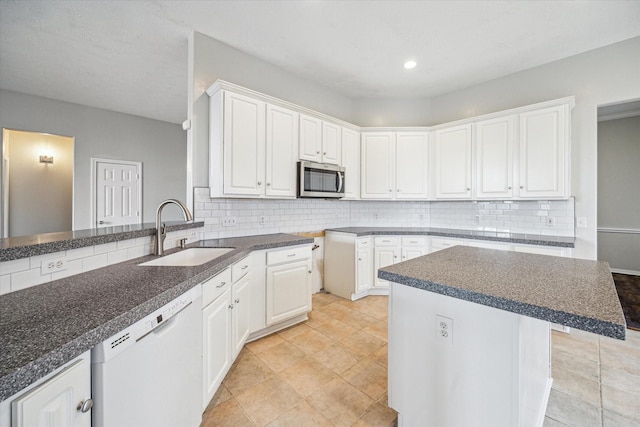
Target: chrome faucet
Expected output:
[161,232]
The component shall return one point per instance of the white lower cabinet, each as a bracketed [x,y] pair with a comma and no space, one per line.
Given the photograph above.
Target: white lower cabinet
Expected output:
[288,284]
[225,323]
[62,400]
[386,251]
[363,272]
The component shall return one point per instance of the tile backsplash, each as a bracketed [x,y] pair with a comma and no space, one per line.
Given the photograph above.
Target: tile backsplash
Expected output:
[251,216]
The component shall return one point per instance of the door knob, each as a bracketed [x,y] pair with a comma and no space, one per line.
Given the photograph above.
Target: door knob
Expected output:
[85,405]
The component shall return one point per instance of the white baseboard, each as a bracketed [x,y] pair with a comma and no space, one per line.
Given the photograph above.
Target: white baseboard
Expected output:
[622,271]
[277,327]
[543,409]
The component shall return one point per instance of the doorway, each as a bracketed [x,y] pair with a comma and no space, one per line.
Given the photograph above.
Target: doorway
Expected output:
[37,183]
[116,192]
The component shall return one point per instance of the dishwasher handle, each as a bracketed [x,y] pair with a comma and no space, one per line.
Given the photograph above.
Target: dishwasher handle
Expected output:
[165,322]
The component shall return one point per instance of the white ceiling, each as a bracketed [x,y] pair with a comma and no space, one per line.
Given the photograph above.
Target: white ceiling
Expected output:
[131,56]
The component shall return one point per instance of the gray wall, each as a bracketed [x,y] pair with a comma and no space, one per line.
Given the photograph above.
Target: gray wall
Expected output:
[160,146]
[212,60]
[601,76]
[619,192]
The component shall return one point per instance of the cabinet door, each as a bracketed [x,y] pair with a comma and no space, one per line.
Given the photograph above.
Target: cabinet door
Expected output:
[493,152]
[288,290]
[54,403]
[412,252]
[351,163]
[240,314]
[244,145]
[384,256]
[544,153]
[331,143]
[411,165]
[452,163]
[281,152]
[216,344]
[378,164]
[363,273]
[310,138]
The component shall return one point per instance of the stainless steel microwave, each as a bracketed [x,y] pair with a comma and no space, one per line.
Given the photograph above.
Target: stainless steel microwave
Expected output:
[320,180]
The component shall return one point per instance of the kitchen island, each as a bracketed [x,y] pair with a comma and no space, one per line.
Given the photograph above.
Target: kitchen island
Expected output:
[469,341]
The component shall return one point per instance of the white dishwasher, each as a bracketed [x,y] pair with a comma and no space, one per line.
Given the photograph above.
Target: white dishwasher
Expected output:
[150,374]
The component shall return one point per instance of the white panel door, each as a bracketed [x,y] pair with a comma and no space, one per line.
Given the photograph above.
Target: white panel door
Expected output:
[377,165]
[384,256]
[351,163]
[288,290]
[216,346]
[411,165]
[54,403]
[363,274]
[310,138]
[240,313]
[331,143]
[493,153]
[244,145]
[282,152]
[118,193]
[412,252]
[544,153]
[452,163]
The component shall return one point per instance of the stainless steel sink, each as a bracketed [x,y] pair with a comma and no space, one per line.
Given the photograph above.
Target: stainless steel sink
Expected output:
[188,257]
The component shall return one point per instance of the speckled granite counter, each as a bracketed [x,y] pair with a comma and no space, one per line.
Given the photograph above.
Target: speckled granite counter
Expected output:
[38,244]
[528,239]
[572,292]
[45,326]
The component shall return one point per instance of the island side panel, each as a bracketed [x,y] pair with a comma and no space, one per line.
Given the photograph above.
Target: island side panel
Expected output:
[476,378]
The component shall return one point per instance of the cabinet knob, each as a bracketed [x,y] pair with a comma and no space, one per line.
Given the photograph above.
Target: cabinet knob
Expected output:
[468,189]
[317,152]
[237,300]
[325,153]
[310,271]
[395,257]
[231,306]
[522,187]
[359,259]
[85,405]
[509,188]
[399,190]
[268,184]
[259,182]
[390,191]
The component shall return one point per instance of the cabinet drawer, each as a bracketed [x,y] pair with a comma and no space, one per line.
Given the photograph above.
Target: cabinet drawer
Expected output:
[439,244]
[215,286]
[288,255]
[414,241]
[239,269]
[387,241]
[363,243]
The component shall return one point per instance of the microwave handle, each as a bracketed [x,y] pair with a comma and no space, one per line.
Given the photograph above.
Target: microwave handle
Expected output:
[340,182]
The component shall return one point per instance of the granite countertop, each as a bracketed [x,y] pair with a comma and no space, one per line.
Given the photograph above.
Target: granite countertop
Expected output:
[38,244]
[45,326]
[573,292]
[494,236]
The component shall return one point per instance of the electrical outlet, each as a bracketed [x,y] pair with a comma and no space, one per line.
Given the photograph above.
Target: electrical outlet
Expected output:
[229,221]
[261,220]
[444,329]
[476,219]
[549,220]
[581,222]
[375,216]
[48,266]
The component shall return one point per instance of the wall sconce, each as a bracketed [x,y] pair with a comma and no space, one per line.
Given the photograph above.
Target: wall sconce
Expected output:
[46,159]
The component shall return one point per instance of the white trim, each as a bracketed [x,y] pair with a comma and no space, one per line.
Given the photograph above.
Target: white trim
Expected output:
[620,115]
[618,230]
[93,191]
[623,271]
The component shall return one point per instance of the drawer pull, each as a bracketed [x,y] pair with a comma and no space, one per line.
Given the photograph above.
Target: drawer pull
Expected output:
[221,284]
[244,267]
[237,300]
[290,255]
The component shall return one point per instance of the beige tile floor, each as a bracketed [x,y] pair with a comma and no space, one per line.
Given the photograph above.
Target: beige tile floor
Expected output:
[332,371]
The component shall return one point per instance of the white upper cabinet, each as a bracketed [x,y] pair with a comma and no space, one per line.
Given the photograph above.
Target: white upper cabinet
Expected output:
[243,141]
[494,158]
[319,140]
[377,165]
[281,152]
[351,163]
[331,143]
[310,138]
[394,165]
[452,163]
[411,165]
[544,153]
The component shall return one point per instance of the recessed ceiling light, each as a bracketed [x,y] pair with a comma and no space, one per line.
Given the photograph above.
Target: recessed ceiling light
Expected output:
[410,64]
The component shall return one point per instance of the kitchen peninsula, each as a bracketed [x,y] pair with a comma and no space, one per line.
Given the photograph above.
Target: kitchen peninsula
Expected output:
[469,340]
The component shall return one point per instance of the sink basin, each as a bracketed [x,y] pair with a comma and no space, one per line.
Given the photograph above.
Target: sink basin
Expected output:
[188,257]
